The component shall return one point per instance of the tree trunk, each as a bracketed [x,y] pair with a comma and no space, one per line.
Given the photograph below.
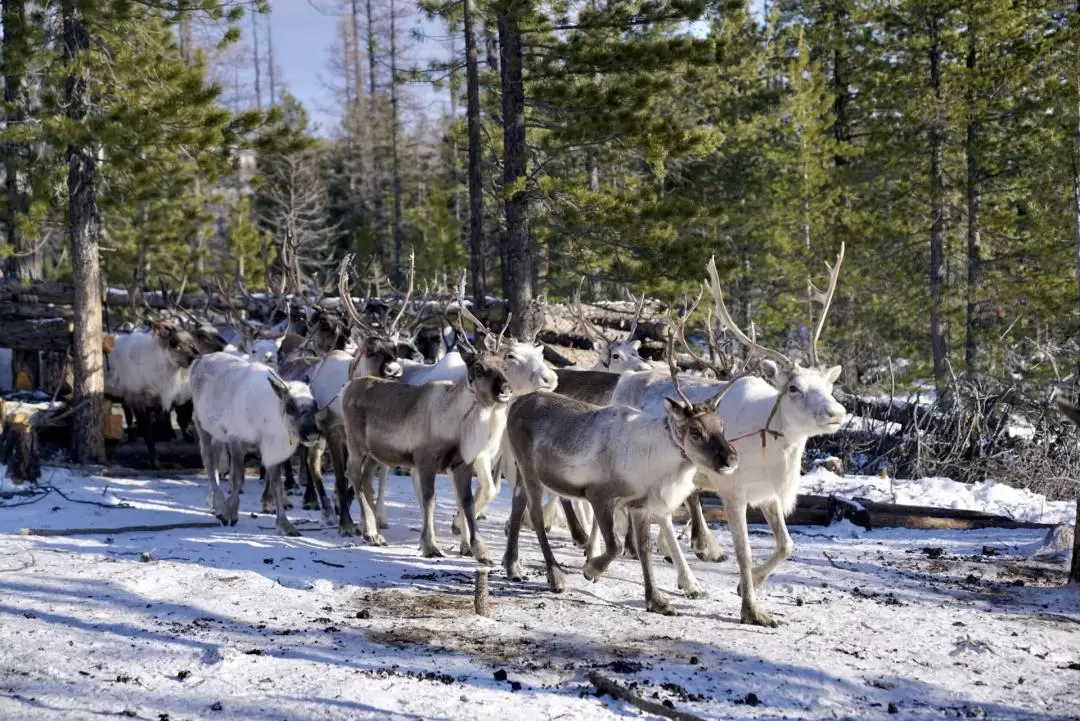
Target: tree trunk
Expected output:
[87,437]
[395,165]
[475,172]
[515,197]
[270,58]
[372,130]
[25,261]
[258,68]
[937,209]
[1076,199]
[974,229]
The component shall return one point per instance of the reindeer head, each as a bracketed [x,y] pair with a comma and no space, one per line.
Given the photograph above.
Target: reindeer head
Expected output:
[806,400]
[616,356]
[208,340]
[298,409]
[327,331]
[180,344]
[487,377]
[526,369]
[699,433]
[377,357]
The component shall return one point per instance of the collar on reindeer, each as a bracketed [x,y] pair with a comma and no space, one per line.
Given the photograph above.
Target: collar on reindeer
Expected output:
[766,431]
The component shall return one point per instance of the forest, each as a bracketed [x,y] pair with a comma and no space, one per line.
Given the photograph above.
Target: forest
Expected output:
[622,142]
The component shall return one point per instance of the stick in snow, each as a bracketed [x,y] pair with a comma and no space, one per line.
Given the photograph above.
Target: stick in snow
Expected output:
[481,599]
[116,530]
[606,685]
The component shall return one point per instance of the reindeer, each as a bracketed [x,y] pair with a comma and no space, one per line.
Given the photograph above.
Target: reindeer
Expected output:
[148,371]
[615,457]
[616,356]
[771,420]
[441,425]
[525,369]
[260,411]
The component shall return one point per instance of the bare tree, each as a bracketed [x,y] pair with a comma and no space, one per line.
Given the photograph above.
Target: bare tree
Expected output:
[475,172]
[294,208]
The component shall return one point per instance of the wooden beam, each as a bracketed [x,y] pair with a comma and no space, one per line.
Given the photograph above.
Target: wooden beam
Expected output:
[34,335]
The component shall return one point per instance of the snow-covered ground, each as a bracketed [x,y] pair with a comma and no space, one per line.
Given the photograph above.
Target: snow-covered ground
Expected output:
[240,623]
[987,496]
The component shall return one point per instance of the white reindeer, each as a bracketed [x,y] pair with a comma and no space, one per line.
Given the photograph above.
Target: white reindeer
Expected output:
[148,370]
[616,458]
[240,405]
[769,423]
[616,355]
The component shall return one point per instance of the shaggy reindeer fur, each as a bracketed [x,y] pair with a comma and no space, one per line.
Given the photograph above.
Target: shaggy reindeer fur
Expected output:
[240,405]
[148,371]
[614,457]
[439,426]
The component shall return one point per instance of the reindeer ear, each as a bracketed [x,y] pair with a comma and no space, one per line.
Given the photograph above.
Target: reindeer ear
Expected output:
[279,387]
[491,343]
[772,371]
[833,373]
[468,356]
[636,345]
[675,407]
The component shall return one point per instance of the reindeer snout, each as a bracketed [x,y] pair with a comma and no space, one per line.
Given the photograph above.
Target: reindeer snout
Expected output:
[504,392]
[391,370]
[309,430]
[727,460]
[548,380]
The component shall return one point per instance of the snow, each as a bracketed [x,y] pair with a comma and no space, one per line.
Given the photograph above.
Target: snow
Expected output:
[176,624]
[869,425]
[986,496]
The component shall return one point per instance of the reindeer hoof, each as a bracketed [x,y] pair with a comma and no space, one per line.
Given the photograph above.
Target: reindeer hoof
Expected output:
[430,550]
[659,604]
[311,505]
[223,519]
[480,553]
[287,529]
[348,529]
[233,521]
[268,507]
[693,590]
[756,617]
[329,517]
[465,549]
[592,571]
[514,571]
[375,539]
[556,579]
[710,553]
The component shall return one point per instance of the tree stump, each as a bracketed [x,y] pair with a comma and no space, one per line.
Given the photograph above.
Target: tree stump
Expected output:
[481,597]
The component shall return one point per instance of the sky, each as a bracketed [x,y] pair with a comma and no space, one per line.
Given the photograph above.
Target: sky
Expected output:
[303,35]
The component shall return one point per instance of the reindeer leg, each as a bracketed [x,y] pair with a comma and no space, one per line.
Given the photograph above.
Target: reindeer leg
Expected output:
[424,481]
[687,582]
[274,480]
[740,538]
[236,480]
[511,563]
[462,476]
[335,443]
[210,451]
[360,469]
[290,477]
[573,523]
[185,413]
[315,480]
[267,493]
[146,428]
[551,511]
[705,544]
[535,492]
[604,519]
[784,545]
[630,549]
[380,503]
[654,600]
[592,547]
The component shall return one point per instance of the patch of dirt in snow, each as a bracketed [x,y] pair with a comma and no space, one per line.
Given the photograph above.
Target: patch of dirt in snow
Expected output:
[241,624]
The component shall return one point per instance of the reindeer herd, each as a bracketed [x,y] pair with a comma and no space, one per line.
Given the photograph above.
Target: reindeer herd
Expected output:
[616,448]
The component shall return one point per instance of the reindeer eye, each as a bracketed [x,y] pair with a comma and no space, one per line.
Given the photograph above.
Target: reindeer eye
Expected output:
[695,433]
[793,388]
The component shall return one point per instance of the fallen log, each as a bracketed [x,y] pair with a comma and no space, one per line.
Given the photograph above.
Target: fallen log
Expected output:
[49,334]
[116,530]
[179,455]
[604,685]
[811,510]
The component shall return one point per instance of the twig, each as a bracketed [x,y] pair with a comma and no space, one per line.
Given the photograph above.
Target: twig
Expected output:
[116,530]
[28,564]
[328,563]
[606,685]
[833,562]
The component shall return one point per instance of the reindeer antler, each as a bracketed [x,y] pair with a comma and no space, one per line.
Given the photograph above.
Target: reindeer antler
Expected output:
[578,314]
[676,330]
[393,325]
[463,312]
[815,295]
[640,304]
[346,297]
[731,326]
